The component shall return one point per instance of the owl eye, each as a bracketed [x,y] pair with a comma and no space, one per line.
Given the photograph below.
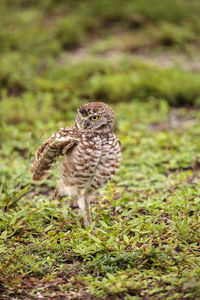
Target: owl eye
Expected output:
[94,118]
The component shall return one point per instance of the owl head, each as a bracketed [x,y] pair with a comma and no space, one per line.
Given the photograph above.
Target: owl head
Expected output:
[95,117]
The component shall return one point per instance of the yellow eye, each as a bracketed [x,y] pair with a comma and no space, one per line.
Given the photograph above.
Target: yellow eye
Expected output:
[94,118]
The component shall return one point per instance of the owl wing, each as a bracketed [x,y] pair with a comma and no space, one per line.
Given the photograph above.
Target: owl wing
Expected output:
[48,152]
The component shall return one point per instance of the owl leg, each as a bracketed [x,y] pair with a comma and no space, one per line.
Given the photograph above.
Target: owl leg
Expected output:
[84,205]
[87,208]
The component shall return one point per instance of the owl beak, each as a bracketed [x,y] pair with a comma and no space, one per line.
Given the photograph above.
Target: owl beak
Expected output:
[83,125]
[83,122]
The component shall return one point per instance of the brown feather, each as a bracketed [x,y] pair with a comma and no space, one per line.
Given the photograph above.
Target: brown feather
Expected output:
[48,152]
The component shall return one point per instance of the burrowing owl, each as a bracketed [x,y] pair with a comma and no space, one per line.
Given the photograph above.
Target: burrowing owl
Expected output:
[91,153]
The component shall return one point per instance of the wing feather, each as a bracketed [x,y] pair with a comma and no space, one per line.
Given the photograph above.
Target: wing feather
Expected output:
[48,152]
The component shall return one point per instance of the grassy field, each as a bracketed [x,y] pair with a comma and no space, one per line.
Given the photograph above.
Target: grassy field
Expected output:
[143,60]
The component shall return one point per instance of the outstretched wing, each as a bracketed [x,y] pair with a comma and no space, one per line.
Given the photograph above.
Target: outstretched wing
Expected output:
[47,153]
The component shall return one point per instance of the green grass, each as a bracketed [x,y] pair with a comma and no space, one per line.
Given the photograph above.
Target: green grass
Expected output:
[146,236]
[144,239]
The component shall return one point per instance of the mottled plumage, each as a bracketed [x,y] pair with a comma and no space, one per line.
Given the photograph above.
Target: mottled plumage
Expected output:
[91,155]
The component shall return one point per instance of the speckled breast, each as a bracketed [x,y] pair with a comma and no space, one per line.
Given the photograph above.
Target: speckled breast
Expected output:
[109,161]
[92,162]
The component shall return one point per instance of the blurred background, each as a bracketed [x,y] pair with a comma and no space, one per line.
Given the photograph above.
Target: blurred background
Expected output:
[56,55]
[115,51]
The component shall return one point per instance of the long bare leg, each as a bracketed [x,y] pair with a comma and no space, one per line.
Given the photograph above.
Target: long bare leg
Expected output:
[87,208]
[81,204]
[84,205]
